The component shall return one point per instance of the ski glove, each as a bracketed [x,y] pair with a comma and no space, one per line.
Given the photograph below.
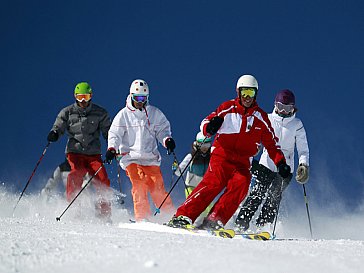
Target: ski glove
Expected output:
[170,145]
[214,125]
[283,169]
[53,136]
[302,173]
[110,155]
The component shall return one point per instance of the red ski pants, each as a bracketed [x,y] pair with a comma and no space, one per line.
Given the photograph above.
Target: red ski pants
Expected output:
[144,180]
[80,165]
[220,175]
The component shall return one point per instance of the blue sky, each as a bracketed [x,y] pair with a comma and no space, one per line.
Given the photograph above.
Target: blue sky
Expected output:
[191,53]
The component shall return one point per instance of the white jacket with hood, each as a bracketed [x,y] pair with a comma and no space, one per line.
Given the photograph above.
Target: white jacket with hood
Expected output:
[290,132]
[134,134]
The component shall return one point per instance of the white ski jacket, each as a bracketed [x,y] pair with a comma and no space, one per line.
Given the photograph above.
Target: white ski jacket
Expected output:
[134,134]
[290,132]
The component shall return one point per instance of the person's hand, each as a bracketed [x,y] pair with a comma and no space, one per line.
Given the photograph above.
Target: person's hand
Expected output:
[170,145]
[283,169]
[302,173]
[53,136]
[110,155]
[214,125]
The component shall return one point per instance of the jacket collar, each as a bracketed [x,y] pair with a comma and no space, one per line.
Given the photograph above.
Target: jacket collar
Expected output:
[246,110]
[81,110]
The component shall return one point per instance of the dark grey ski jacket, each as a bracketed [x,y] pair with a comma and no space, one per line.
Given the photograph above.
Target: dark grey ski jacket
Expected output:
[83,127]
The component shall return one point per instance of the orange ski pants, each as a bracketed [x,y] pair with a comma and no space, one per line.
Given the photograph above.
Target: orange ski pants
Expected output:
[144,180]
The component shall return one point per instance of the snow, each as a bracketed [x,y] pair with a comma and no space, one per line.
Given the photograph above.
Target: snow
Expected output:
[33,241]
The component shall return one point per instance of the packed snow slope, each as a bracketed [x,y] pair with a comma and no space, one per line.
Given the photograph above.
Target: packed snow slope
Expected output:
[31,240]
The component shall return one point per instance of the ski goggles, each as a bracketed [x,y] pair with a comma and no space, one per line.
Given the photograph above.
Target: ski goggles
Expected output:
[287,108]
[247,92]
[139,98]
[83,97]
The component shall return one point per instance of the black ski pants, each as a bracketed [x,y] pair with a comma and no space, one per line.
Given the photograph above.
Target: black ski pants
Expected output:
[269,186]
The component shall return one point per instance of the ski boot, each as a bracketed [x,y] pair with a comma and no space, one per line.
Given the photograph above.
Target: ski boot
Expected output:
[180,222]
[241,225]
[211,225]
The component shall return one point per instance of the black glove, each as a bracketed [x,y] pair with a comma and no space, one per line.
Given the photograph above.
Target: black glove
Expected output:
[170,145]
[283,169]
[214,125]
[110,155]
[52,136]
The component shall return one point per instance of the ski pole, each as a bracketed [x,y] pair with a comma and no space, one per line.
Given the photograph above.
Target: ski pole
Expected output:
[275,221]
[175,183]
[31,176]
[174,168]
[121,201]
[308,212]
[59,217]
[279,204]
[184,181]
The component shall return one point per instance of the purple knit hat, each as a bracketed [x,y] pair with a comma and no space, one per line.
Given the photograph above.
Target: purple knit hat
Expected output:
[285,96]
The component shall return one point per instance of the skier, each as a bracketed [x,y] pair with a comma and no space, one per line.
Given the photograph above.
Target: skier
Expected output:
[240,126]
[290,131]
[132,138]
[83,121]
[60,174]
[201,149]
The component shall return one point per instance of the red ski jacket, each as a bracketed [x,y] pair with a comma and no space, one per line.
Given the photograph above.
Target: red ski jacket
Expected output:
[241,133]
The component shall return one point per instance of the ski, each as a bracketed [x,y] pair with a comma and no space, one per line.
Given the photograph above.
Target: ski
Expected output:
[261,236]
[189,229]
[222,233]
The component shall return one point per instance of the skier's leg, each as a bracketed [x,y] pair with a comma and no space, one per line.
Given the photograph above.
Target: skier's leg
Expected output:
[274,196]
[211,185]
[188,190]
[75,177]
[101,183]
[156,187]
[253,201]
[139,192]
[236,190]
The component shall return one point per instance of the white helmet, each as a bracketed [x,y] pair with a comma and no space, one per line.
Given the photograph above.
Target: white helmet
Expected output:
[247,81]
[139,87]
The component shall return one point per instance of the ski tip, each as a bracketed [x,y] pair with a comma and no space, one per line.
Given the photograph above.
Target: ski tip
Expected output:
[223,233]
[261,236]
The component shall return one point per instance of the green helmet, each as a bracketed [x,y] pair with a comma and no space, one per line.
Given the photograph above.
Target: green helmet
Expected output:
[83,88]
